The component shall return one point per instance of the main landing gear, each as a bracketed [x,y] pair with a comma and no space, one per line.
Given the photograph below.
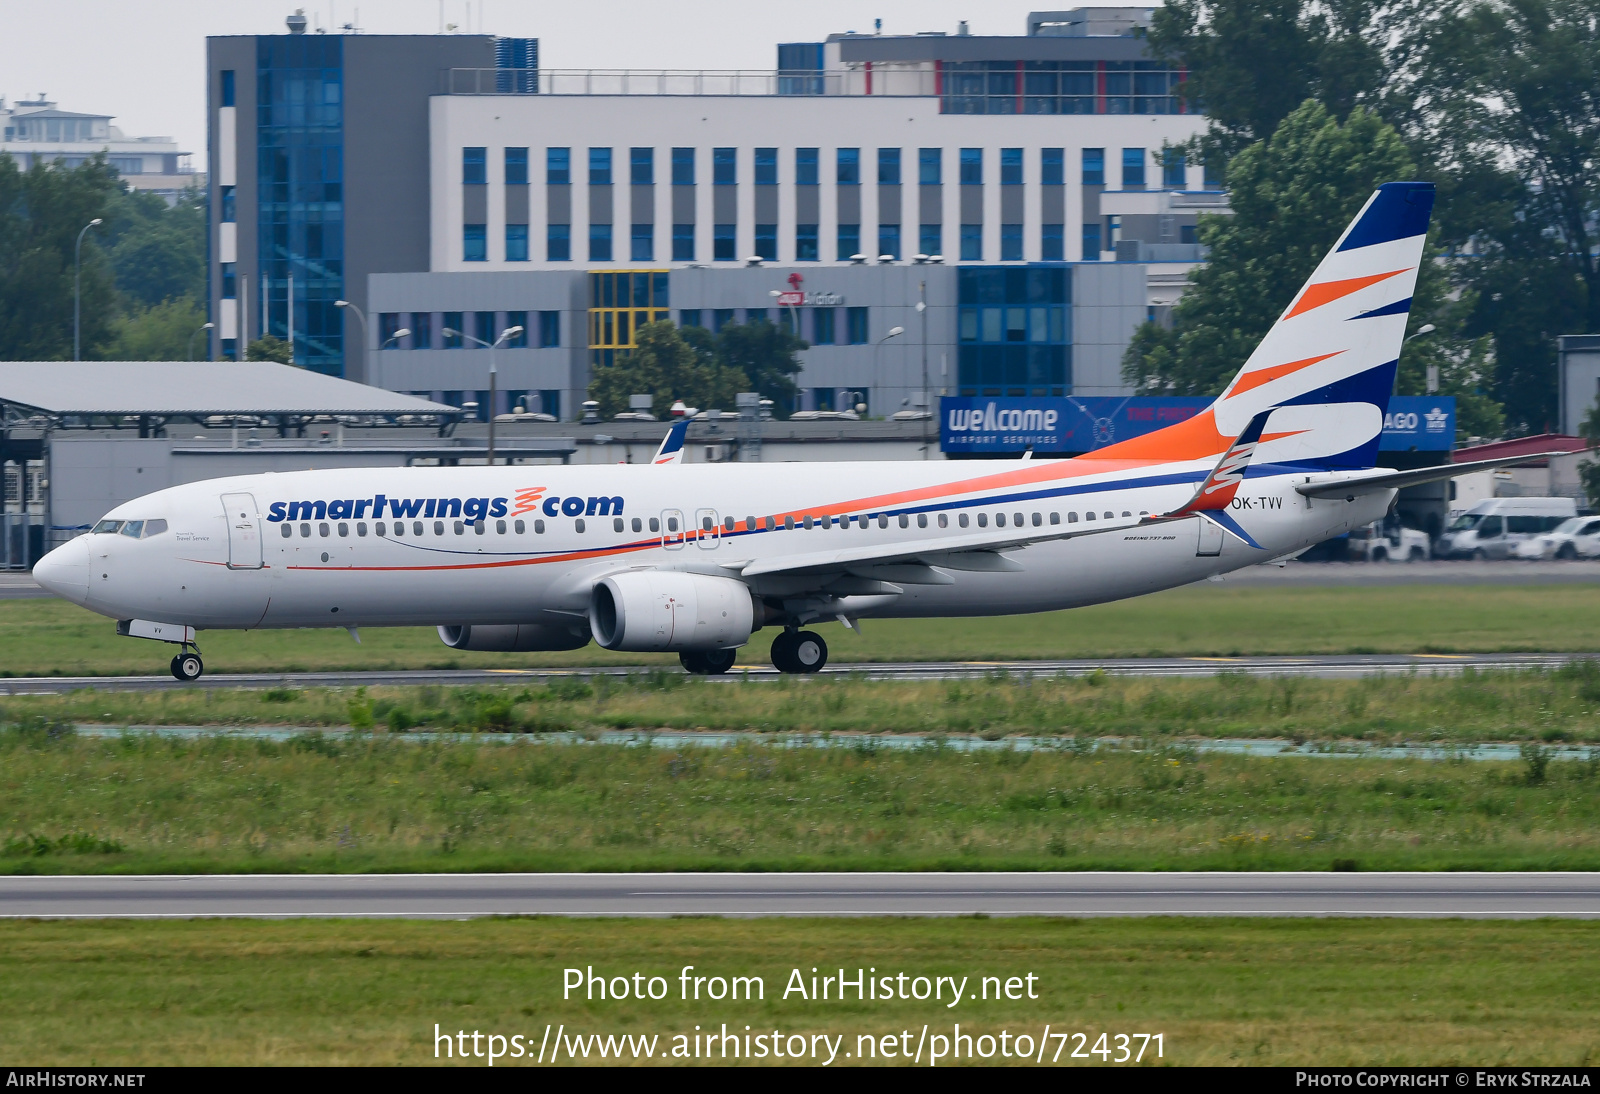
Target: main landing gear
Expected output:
[799,652]
[187,665]
[707,662]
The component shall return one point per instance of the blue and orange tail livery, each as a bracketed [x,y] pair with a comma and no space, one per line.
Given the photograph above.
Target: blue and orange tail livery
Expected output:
[1326,368]
[671,450]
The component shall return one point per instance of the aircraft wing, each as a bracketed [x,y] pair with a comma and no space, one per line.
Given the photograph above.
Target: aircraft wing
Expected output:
[1394,480]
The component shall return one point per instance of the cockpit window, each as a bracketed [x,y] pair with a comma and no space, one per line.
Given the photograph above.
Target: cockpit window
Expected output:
[154,528]
[133,528]
[106,526]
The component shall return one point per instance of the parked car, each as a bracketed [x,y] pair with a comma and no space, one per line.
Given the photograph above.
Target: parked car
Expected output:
[1494,527]
[1575,537]
[1387,541]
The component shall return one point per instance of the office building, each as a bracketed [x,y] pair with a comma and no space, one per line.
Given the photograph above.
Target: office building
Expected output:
[37,131]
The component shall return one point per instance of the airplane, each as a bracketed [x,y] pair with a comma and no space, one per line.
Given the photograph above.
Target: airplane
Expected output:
[694,558]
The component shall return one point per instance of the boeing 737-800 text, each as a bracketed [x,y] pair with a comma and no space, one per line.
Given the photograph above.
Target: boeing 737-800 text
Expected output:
[694,558]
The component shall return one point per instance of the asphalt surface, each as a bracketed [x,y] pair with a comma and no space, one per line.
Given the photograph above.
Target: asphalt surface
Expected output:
[1333,666]
[462,896]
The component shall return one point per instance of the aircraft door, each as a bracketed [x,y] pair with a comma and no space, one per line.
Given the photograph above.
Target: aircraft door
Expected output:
[244,531]
[1210,543]
[710,535]
[672,531]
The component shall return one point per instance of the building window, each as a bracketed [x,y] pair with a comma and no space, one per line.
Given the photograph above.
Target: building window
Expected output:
[805,167]
[767,241]
[484,322]
[888,167]
[230,211]
[227,87]
[516,166]
[642,166]
[558,243]
[1091,242]
[452,330]
[1132,167]
[520,339]
[972,167]
[599,243]
[683,167]
[549,329]
[805,243]
[690,317]
[848,171]
[474,166]
[230,280]
[1052,242]
[1213,171]
[1010,243]
[889,240]
[1052,166]
[849,241]
[421,330]
[1010,167]
[388,323]
[724,166]
[599,167]
[724,246]
[930,166]
[752,315]
[683,243]
[642,243]
[1094,167]
[1173,175]
[1188,233]
[930,239]
[230,349]
[474,243]
[720,318]
[766,167]
[516,243]
[557,166]
[1014,329]
[822,327]
[855,321]
[972,243]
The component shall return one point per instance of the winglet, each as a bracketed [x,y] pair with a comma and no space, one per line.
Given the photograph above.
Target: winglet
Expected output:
[671,450]
[1217,491]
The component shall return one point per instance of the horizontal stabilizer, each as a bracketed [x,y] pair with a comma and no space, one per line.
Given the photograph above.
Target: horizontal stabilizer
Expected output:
[1395,480]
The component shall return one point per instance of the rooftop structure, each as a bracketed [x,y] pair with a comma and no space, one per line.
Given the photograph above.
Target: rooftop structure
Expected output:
[36,130]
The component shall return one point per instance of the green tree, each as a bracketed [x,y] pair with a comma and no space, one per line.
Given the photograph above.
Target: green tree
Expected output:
[668,364]
[766,354]
[165,332]
[270,348]
[42,210]
[157,252]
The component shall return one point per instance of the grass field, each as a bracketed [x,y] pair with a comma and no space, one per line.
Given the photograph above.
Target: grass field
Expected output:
[1285,992]
[366,802]
[51,637]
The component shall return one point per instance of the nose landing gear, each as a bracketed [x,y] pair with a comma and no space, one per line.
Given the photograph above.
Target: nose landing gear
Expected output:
[799,652]
[187,665]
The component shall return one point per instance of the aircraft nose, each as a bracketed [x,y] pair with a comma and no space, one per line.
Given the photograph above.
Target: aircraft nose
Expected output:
[65,571]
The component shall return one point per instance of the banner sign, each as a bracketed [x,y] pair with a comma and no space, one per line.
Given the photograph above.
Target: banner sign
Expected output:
[1070,424]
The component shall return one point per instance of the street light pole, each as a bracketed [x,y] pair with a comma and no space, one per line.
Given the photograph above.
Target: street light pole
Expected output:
[494,372]
[197,330]
[366,338]
[927,398]
[77,292]
[894,332]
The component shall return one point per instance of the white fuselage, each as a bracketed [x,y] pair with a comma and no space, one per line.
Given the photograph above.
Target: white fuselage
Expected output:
[527,544]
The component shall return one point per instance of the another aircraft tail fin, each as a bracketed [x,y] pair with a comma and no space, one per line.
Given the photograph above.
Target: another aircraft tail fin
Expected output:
[671,450]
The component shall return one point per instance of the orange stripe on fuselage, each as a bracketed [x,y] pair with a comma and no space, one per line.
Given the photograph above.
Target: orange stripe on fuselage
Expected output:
[1328,291]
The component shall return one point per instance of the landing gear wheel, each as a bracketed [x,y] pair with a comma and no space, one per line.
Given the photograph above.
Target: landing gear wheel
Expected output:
[707,662]
[187,666]
[799,652]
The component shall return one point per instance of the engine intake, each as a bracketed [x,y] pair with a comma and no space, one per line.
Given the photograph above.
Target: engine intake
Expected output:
[513,638]
[648,611]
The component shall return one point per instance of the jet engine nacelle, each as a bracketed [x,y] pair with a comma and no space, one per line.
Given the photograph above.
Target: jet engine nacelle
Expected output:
[515,638]
[647,611]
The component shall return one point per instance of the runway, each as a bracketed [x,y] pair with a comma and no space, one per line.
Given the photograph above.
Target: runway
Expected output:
[464,896]
[1332,666]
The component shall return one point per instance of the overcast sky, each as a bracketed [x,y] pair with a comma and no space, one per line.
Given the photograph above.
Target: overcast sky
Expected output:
[144,60]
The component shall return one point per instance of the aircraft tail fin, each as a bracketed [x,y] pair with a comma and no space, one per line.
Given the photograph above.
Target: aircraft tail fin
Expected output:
[1327,366]
[671,450]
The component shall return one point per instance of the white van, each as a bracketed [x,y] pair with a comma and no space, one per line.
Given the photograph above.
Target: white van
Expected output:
[1493,528]
[1387,540]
